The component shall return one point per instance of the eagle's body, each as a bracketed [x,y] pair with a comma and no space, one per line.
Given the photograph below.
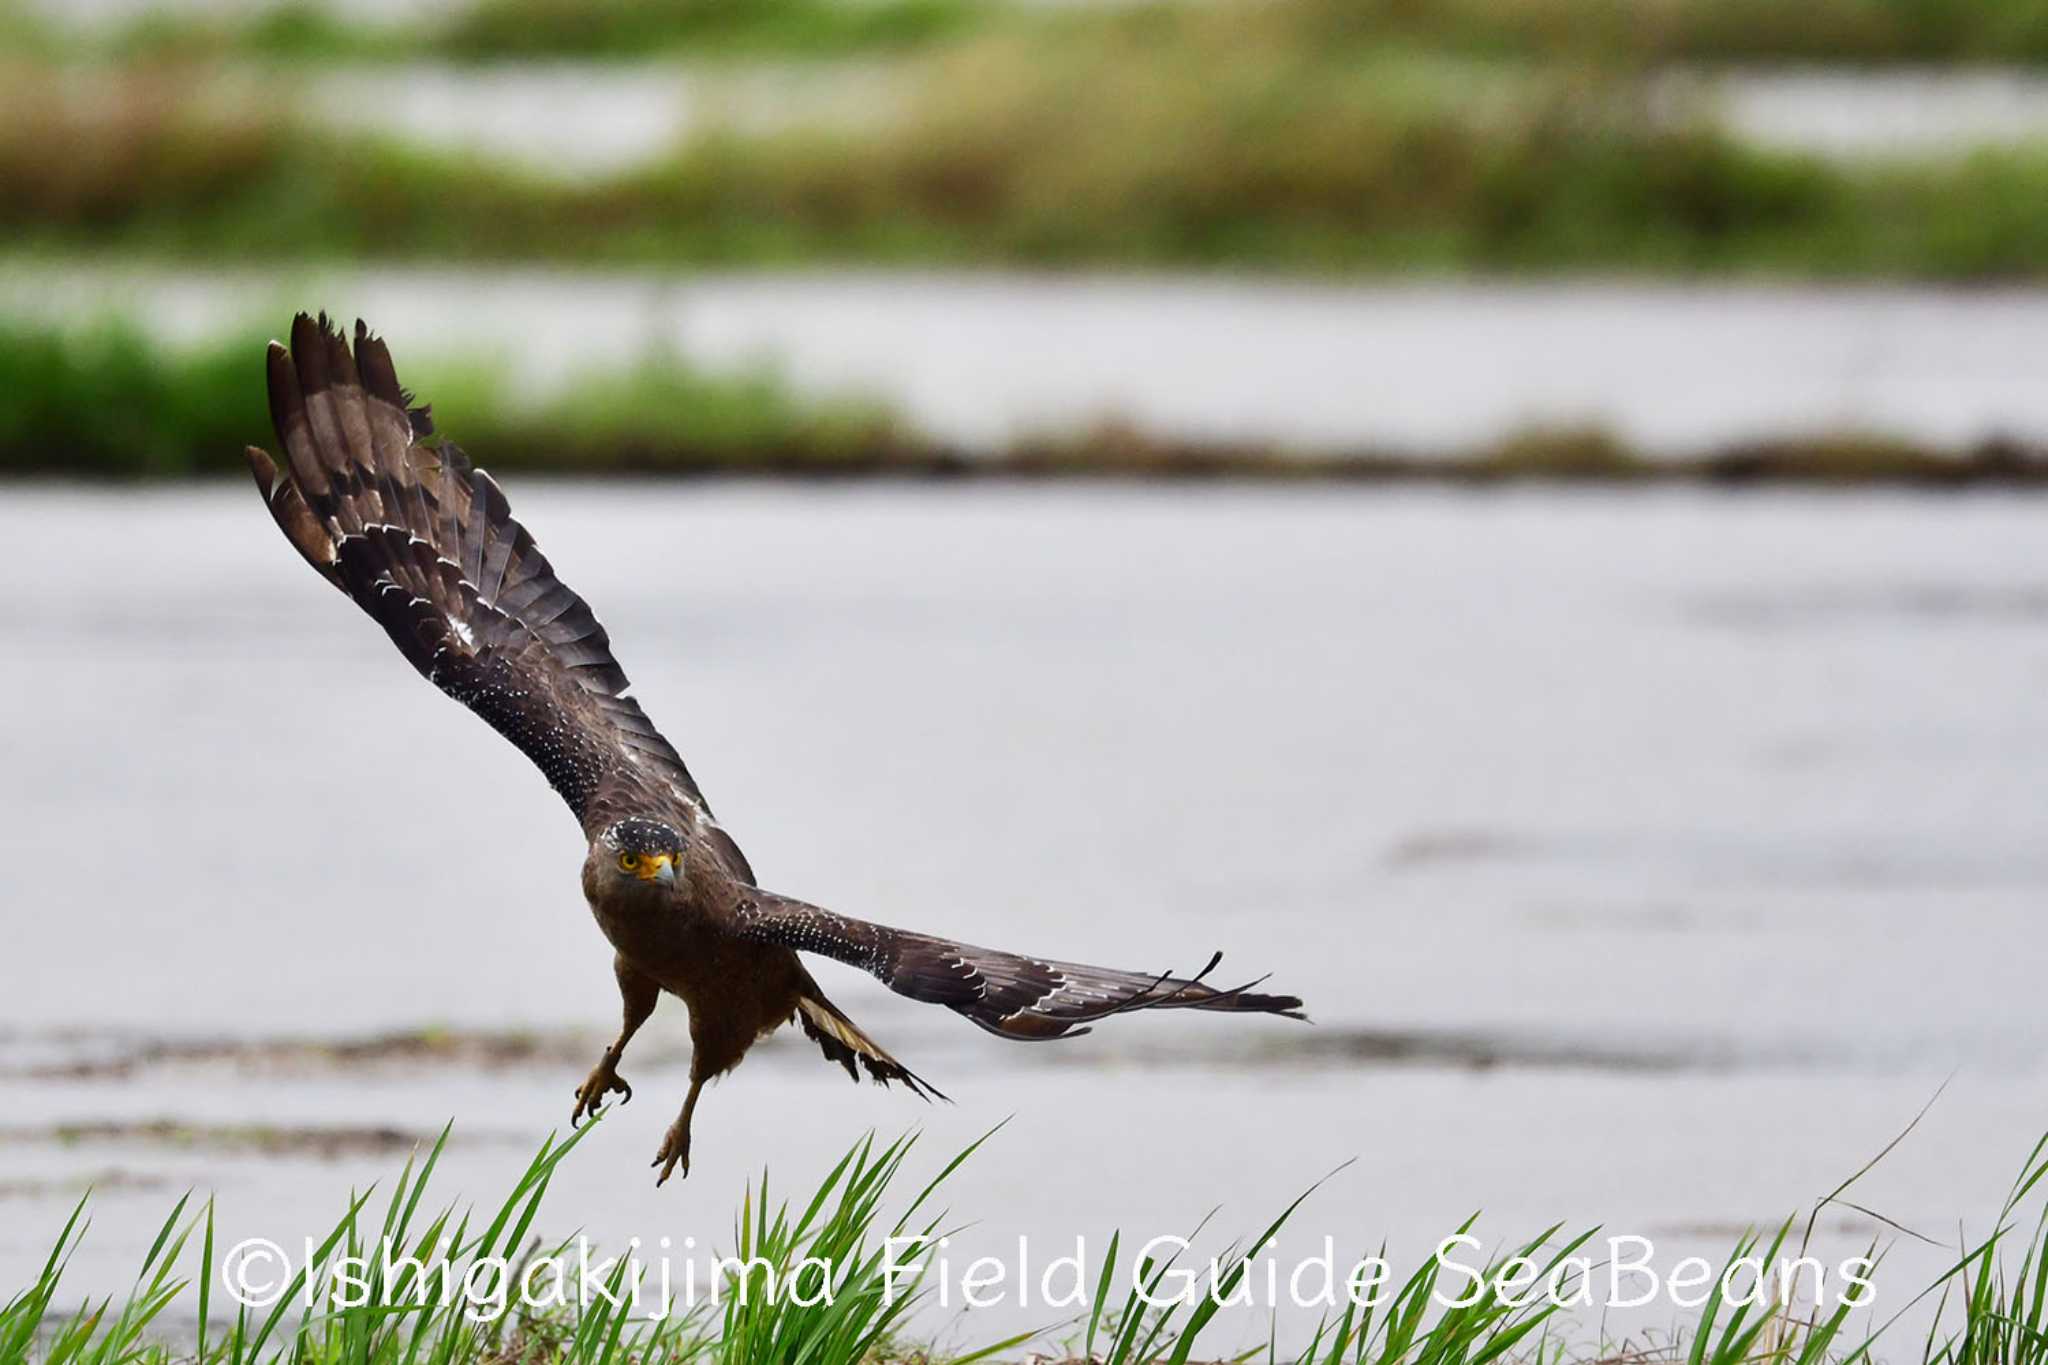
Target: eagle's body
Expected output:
[426,544]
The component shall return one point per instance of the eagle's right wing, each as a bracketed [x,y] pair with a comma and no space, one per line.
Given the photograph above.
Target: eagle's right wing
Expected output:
[426,544]
[1010,995]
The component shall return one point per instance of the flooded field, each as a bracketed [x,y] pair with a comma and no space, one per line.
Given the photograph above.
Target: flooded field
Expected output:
[981,360]
[1648,859]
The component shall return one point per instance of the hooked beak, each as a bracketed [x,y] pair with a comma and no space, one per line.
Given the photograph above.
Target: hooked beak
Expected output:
[658,867]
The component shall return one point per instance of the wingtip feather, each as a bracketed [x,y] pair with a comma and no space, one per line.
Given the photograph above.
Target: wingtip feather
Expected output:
[263,469]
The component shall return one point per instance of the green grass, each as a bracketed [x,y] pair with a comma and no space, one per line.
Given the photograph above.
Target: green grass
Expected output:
[838,1302]
[371,1309]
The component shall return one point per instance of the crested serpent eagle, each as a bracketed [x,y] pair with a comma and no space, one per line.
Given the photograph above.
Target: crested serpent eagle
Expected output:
[426,544]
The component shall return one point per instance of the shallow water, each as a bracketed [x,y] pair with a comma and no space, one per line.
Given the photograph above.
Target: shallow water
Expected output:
[576,121]
[1644,858]
[1913,111]
[986,359]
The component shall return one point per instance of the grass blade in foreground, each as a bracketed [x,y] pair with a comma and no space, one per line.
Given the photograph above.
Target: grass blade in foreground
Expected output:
[815,1283]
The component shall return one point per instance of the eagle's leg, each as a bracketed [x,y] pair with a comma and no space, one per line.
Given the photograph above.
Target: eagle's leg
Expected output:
[638,995]
[720,1035]
[675,1148]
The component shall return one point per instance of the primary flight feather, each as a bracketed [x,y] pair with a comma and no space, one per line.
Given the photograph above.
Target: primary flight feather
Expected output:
[426,544]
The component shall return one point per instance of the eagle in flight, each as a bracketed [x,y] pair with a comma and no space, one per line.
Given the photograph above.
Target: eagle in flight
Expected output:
[426,544]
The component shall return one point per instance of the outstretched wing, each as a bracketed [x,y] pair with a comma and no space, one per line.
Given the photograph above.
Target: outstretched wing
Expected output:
[426,544]
[1007,994]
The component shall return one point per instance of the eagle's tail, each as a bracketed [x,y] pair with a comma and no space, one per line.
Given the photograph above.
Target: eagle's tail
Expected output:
[844,1042]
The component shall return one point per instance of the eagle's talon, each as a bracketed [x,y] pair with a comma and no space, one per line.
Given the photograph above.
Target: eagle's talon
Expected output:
[675,1152]
[603,1080]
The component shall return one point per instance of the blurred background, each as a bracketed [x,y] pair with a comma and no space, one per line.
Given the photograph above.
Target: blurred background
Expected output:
[1519,517]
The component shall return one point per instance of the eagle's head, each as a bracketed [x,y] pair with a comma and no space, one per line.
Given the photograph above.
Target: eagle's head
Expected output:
[639,853]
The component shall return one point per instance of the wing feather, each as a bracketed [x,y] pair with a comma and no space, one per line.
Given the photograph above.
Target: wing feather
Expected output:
[1008,994]
[427,545]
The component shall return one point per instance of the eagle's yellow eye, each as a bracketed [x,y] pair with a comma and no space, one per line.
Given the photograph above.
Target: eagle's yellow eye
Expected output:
[628,862]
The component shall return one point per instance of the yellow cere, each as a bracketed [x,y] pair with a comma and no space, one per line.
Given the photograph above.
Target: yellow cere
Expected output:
[646,868]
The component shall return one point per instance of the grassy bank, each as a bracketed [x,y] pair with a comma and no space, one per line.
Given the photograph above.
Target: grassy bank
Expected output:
[1626,30]
[811,1283]
[1235,142]
[106,402]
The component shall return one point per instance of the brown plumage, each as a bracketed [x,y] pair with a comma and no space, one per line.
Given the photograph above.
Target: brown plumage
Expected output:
[426,544]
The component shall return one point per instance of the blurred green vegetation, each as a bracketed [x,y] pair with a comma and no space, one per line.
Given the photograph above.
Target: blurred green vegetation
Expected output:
[105,400]
[490,30]
[1699,30]
[1313,136]
[1225,148]
[1872,31]
[493,29]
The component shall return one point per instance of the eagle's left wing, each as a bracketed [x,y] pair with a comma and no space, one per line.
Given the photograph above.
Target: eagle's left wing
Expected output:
[427,545]
[1008,994]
